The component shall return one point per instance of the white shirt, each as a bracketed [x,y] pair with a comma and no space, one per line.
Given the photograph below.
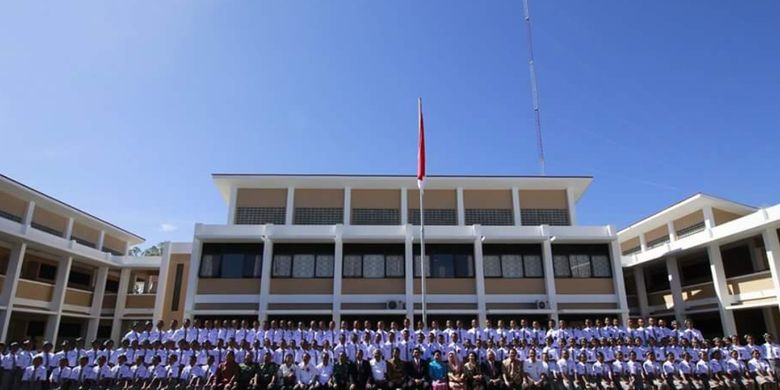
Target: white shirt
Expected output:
[378,369]
[324,373]
[534,369]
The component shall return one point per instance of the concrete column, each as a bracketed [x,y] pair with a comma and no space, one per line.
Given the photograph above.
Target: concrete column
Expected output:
[461,209]
[347,206]
[772,246]
[121,303]
[642,242]
[709,220]
[60,288]
[572,207]
[232,206]
[641,290]
[672,231]
[68,229]
[265,279]
[479,274]
[97,303]
[338,261]
[617,278]
[516,206]
[192,278]
[28,213]
[101,239]
[8,291]
[404,206]
[162,282]
[409,273]
[288,220]
[675,285]
[549,273]
[721,289]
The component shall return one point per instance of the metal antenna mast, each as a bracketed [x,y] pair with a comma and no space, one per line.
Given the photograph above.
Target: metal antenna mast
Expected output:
[534,87]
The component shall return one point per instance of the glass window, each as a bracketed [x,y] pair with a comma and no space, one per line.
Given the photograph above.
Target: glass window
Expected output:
[232,265]
[464,266]
[353,265]
[492,266]
[324,266]
[209,266]
[394,266]
[281,266]
[443,266]
[561,266]
[533,266]
[580,266]
[303,266]
[257,266]
[417,266]
[512,266]
[601,267]
[373,266]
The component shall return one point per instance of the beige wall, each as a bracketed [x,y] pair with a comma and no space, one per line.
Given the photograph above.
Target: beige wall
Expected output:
[660,298]
[37,291]
[261,197]
[688,220]
[49,219]
[142,301]
[594,306]
[109,301]
[629,244]
[12,205]
[698,292]
[169,315]
[722,216]
[315,198]
[301,286]
[228,286]
[376,199]
[78,297]
[657,233]
[85,233]
[514,286]
[434,199]
[373,286]
[114,243]
[487,199]
[752,283]
[447,286]
[543,199]
[584,286]
[226,306]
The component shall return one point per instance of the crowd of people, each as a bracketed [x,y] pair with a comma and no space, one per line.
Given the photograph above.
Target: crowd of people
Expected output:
[227,355]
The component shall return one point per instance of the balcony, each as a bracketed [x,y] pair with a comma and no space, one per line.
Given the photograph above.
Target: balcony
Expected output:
[752,286]
[78,297]
[140,301]
[34,291]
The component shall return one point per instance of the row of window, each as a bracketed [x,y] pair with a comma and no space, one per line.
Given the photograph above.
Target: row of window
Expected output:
[307,261]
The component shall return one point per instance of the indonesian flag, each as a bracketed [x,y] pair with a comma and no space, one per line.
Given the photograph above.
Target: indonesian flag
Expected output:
[420,147]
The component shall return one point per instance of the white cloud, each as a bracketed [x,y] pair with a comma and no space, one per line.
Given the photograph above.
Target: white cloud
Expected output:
[167,227]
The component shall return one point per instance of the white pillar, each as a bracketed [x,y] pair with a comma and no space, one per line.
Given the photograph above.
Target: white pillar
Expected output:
[617,278]
[8,291]
[572,203]
[60,289]
[479,275]
[721,289]
[162,282]
[192,277]
[232,206]
[461,210]
[121,303]
[101,239]
[97,303]
[288,220]
[338,259]
[409,273]
[516,206]
[404,206]
[641,290]
[642,242]
[772,246]
[549,273]
[672,231]
[709,220]
[265,279]
[68,229]
[347,206]
[675,285]
[29,213]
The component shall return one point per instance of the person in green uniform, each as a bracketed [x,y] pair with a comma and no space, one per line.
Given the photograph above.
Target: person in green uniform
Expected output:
[341,370]
[266,373]
[247,374]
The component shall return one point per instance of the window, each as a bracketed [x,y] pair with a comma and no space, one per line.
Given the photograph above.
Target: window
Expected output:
[80,279]
[601,266]
[231,261]
[374,261]
[561,266]
[447,261]
[417,272]
[580,266]
[695,269]
[376,216]
[496,217]
[303,261]
[177,287]
[47,272]
[553,217]
[318,216]
[582,261]
[656,277]
[512,261]
[433,216]
[260,215]
[112,286]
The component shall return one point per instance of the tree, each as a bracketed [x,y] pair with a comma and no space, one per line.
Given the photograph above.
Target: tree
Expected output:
[154,250]
[135,251]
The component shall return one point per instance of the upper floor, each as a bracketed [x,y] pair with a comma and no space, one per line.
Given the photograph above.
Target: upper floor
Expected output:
[395,200]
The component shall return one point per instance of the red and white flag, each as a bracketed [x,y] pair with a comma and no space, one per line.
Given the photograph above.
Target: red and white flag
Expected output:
[420,147]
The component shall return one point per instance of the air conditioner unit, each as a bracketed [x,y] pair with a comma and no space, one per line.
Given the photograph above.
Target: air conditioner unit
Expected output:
[541,305]
[395,305]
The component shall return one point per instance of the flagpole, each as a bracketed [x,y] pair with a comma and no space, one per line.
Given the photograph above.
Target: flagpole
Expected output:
[422,259]
[420,185]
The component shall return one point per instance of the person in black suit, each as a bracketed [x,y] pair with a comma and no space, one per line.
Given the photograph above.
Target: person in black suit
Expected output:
[417,371]
[361,372]
[491,371]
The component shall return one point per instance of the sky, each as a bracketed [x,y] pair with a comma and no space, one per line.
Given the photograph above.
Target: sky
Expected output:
[125,109]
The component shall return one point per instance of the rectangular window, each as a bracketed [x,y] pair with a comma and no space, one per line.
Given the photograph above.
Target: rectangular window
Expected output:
[112,286]
[582,261]
[47,272]
[353,266]
[80,279]
[324,266]
[374,261]
[442,265]
[533,266]
[373,266]
[492,266]
[282,266]
[601,266]
[447,261]
[394,266]
[512,261]
[209,266]
[231,261]
[561,266]
[302,261]
[303,266]
[580,266]
[417,272]
[512,266]
[177,287]
[232,266]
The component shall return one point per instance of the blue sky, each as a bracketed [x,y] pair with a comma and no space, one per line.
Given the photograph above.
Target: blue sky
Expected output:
[124,109]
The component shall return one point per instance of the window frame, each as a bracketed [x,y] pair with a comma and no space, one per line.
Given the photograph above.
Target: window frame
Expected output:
[569,250]
[316,250]
[451,250]
[250,252]
[384,250]
[521,250]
